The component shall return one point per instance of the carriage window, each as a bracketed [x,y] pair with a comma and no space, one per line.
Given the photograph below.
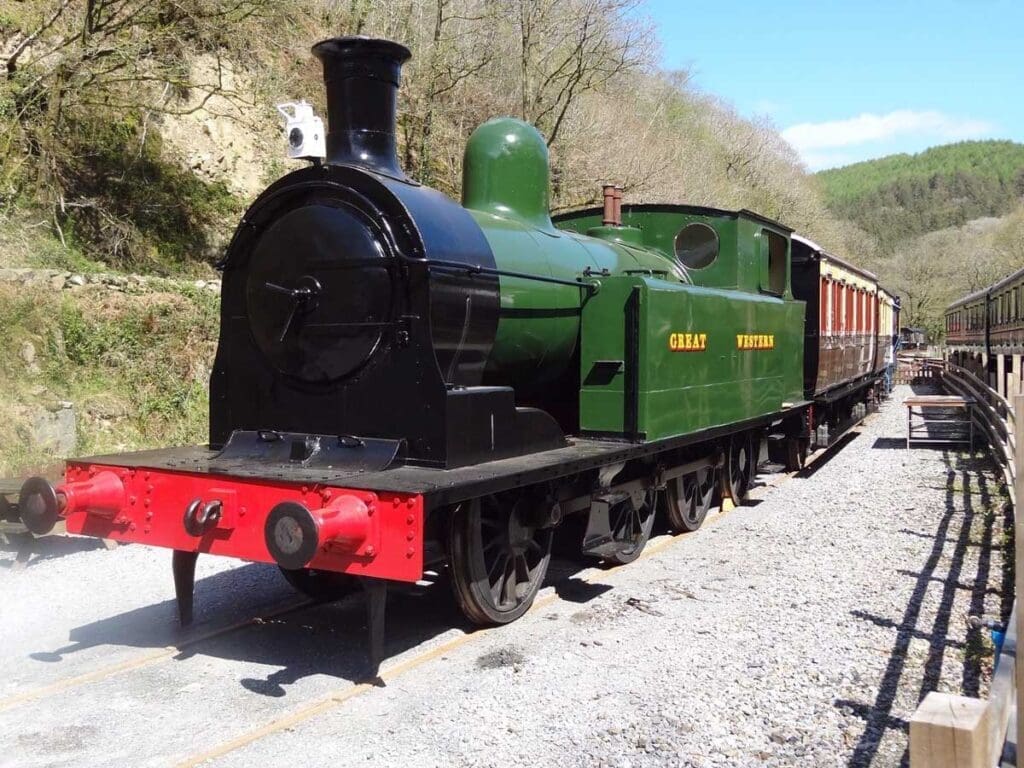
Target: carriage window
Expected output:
[696,246]
[775,246]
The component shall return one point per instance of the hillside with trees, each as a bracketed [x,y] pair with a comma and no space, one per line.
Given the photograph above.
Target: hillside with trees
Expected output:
[943,223]
[898,197]
[134,133]
[138,131]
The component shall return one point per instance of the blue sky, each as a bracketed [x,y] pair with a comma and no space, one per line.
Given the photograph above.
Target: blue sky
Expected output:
[851,80]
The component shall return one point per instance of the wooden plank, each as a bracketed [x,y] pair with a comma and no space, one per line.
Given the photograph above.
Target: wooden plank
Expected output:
[1002,694]
[938,401]
[950,731]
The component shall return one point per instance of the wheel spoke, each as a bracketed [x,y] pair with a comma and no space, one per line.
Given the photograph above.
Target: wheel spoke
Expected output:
[522,576]
[508,593]
[497,567]
[492,543]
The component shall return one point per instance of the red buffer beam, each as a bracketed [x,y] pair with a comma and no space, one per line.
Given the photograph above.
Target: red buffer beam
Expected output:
[363,533]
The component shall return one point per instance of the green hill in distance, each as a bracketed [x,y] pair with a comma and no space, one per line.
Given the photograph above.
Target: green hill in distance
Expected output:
[901,196]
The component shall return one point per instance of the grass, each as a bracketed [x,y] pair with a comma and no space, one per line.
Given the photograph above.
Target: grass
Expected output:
[135,367]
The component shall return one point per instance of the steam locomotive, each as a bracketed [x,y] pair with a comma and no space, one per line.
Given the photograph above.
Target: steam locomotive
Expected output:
[406,383]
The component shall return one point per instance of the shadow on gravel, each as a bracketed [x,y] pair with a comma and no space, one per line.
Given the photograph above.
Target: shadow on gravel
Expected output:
[957,532]
[26,550]
[827,455]
[314,639]
[887,443]
[156,625]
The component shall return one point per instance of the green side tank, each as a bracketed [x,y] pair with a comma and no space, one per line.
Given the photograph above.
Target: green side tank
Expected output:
[505,186]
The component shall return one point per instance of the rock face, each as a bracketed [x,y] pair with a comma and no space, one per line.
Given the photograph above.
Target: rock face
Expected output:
[55,429]
[224,139]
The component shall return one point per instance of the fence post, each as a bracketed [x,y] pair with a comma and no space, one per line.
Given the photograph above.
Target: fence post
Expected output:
[1018,551]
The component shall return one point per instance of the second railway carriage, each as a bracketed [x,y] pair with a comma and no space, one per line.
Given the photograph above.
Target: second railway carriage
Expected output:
[849,333]
[989,321]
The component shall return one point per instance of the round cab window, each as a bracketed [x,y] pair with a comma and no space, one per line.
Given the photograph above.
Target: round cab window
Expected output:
[696,246]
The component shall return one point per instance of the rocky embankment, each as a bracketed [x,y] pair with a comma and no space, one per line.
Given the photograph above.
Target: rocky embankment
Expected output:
[61,280]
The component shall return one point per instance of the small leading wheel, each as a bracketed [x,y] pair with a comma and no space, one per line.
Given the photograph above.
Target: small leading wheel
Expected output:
[688,499]
[498,557]
[739,468]
[631,523]
[322,586]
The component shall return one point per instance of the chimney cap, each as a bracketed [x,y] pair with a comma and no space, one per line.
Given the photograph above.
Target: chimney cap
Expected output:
[362,46]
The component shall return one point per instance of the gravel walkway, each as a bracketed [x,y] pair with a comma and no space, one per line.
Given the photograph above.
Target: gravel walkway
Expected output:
[802,630]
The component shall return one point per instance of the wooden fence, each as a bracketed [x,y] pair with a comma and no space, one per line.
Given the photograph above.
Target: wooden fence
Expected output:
[950,731]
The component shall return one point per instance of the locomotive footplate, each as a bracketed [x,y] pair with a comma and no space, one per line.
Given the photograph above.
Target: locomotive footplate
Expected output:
[437,487]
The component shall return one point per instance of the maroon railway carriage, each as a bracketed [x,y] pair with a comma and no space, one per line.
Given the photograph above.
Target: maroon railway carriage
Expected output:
[851,347]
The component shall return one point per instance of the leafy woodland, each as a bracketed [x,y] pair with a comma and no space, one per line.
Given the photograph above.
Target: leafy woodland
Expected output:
[900,196]
[100,99]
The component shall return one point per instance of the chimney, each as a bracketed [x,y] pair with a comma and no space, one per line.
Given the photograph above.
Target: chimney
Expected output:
[361,75]
[618,206]
[609,205]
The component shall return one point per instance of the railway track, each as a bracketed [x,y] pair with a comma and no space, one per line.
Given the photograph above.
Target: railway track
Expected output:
[399,665]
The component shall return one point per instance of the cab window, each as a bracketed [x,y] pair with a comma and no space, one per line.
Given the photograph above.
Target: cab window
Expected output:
[696,245]
[774,248]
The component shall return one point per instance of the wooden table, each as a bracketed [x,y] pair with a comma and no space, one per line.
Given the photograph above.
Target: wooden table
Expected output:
[923,429]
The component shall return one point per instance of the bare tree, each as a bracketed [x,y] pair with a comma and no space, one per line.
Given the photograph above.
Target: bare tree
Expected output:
[570,47]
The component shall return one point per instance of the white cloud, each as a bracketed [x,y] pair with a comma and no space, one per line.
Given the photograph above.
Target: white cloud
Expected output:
[809,138]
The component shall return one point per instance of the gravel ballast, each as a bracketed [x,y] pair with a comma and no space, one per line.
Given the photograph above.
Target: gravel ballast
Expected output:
[801,630]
